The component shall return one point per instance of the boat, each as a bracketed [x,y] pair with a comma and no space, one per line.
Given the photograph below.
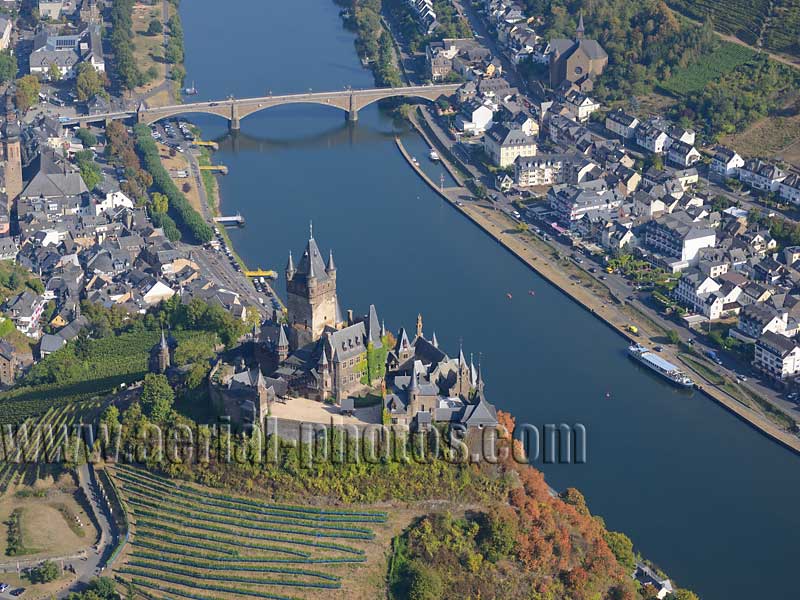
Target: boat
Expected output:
[531,293]
[433,155]
[190,91]
[654,362]
[509,296]
[415,161]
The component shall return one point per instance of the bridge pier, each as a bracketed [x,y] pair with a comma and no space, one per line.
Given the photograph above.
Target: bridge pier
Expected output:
[234,124]
[351,116]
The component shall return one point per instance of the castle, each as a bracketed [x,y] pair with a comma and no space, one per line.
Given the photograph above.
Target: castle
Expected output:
[314,351]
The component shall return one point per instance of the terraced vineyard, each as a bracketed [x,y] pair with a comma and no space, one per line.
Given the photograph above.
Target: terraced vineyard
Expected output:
[774,23]
[190,542]
[45,449]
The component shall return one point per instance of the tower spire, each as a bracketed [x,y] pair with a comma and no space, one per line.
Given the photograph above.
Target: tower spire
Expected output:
[419,325]
[331,265]
[580,30]
[311,230]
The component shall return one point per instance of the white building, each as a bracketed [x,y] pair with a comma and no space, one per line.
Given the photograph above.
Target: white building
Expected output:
[113,200]
[581,106]
[726,162]
[504,145]
[789,189]
[475,118]
[683,154]
[5,32]
[761,175]
[777,356]
[543,169]
[621,124]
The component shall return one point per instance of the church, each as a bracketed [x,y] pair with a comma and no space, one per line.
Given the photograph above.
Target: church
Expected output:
[576,63]
[316,351]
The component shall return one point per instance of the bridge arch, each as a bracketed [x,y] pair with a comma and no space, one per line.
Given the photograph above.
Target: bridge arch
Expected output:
[350,102]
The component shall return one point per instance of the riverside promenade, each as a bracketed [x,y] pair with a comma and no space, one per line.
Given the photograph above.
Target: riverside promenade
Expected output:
[590,294]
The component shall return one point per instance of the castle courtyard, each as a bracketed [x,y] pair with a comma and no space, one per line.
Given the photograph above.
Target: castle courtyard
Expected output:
[313,411]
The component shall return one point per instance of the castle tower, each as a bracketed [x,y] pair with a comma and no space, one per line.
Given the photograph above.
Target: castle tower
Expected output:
[323,367]
[311,292]
[12,153]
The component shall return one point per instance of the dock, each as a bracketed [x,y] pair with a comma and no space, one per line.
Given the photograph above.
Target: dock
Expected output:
[236,219]
[212,145]
[261,273]
[215,169]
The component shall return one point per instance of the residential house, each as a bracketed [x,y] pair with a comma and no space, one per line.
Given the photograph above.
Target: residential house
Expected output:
[652,136]
[581,106]
[622,124]
[475,118]
[777,356]
[24,310]
[682,154]
[726,163]
[761,175]
[759,318]
[789,189]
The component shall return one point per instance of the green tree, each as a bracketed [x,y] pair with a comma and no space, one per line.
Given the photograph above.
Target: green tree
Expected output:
[622,547]
[673,336]
[88,82]
[110,416]
[46,572]
[8,66]
[157,397]
[160,202]
[424,582]
[28,88]
[87,138]
[54,72]
[498,534]
[155,27]
[104,587]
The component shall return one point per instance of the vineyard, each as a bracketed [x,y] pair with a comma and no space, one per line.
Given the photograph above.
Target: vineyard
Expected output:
[72,376]
[726,58]
[196,543]
[775,23]
[46,447]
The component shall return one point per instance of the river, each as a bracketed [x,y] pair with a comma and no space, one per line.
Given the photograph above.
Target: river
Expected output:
[709,499]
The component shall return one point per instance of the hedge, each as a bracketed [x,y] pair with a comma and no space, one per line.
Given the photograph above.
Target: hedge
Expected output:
[187,219]
[165,575]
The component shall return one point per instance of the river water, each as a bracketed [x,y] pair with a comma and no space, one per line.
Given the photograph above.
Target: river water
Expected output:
[710,500]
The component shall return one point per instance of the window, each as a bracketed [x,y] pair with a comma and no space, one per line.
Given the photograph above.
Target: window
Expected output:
[578,70]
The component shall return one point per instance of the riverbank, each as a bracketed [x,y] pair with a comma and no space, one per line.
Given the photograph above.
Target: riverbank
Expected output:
[614,312]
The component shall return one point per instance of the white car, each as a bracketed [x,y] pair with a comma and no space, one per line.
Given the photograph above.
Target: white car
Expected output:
[3,587]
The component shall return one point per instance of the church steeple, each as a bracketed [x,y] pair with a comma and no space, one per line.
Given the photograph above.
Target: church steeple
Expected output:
[581,29]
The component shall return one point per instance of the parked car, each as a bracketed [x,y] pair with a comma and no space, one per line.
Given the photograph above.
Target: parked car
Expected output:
[3,587]
[17,592]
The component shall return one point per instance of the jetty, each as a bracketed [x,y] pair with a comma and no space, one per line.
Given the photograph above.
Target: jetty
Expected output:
[236,219]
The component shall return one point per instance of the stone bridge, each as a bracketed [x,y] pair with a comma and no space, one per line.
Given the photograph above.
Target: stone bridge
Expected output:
[234,110]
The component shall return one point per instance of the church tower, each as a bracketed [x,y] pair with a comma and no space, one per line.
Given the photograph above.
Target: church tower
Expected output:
[311,293]
[12,153]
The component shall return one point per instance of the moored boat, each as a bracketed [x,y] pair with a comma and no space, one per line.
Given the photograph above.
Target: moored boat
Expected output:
[663,367]
[433,155]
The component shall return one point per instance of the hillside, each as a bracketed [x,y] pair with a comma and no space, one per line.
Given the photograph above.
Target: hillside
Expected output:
[774,25]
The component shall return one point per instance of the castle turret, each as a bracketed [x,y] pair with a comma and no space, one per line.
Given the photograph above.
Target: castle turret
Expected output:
[282,347]
[331,268]
[434,341]
[290,270]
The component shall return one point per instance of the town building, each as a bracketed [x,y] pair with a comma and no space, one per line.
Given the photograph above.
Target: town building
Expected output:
[570,202]
[678,238]
[580,106]
[761,175]
[543,169]
[622,124]
[504,145]
[8,363]
[777,356]
[726,163]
